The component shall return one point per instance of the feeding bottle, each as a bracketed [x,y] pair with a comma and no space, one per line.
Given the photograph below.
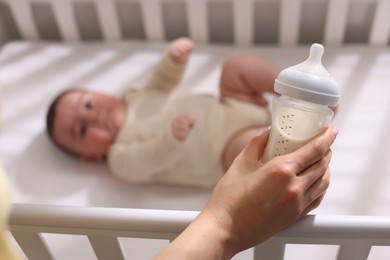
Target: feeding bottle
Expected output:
[302,111]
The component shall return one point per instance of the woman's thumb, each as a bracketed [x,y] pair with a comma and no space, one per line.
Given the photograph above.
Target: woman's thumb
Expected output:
[255,148]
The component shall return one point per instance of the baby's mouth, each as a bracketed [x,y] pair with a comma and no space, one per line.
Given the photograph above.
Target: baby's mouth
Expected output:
[112,122]
[105,120]
[117,119]
[109,121]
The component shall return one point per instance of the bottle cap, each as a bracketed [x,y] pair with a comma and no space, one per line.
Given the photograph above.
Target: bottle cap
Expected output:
[309,80]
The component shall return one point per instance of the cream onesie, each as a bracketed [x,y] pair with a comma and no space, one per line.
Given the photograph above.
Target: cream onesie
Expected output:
[145,149]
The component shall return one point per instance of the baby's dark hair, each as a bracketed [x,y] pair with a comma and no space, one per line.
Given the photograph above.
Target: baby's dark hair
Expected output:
[51,117]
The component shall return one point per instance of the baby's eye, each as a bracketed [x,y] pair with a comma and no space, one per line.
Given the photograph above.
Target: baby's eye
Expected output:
[89,104]
[83,130]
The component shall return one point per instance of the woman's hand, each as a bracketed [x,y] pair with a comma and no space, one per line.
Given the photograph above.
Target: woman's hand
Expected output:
[253,200]
[181,127]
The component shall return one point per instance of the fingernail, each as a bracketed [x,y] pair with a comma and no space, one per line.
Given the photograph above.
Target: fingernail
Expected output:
[335,130]
[265,129]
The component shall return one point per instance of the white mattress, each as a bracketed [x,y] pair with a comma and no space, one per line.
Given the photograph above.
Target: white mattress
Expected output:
[31,74]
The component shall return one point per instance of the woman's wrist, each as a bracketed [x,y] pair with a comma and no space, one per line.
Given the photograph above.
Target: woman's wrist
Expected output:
[202,239]
[216,231]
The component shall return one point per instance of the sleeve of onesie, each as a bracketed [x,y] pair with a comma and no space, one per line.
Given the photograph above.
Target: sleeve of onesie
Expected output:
[166,75]
[140,160]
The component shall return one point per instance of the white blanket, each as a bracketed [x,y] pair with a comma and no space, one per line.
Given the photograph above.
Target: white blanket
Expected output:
[31,74]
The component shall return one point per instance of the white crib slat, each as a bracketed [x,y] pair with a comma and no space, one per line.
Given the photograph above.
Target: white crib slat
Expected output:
[270,249]
[380,30]
[289,21]
[22,13]
[106,247]
[64,13]
[32,245]
[197,20]
[108,19]
[152,18]
[243,22]
[336,21]
[354,251]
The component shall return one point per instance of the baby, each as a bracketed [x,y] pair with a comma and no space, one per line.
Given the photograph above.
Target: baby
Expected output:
[151,136]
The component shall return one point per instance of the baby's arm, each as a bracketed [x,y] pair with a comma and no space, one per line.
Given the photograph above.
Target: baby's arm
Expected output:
[181,127]
[149,154]
[169,70]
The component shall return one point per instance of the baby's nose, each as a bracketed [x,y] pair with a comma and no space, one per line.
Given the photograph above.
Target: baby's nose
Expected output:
[97,117]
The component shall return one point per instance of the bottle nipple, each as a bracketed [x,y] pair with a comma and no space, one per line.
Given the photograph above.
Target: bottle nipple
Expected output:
[313,64]
[309,80]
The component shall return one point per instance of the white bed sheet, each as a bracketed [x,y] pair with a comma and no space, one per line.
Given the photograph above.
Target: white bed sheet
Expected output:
[31,74]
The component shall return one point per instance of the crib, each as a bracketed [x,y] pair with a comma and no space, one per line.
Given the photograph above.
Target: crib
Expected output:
[64,209]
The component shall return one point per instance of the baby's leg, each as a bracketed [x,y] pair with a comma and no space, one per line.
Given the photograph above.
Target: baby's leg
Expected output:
[246,78]
[169,71]
[237,143]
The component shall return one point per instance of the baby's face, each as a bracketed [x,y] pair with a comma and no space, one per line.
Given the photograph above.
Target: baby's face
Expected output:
[86,123]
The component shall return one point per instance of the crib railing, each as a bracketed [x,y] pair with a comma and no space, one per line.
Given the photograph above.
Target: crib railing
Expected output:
[103,226]
[197,18]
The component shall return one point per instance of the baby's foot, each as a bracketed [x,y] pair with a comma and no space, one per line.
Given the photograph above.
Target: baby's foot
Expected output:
[180,50]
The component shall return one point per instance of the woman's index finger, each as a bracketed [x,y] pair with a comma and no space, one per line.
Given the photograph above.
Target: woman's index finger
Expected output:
[315,149]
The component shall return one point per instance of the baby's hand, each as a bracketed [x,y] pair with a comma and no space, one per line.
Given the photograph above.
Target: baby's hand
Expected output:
[181,126]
